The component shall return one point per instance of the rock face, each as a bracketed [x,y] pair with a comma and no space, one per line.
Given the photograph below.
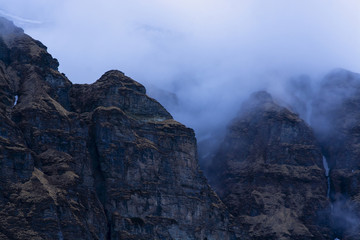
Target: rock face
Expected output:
[336,120]
[99,161]
[269,173]
[106,161]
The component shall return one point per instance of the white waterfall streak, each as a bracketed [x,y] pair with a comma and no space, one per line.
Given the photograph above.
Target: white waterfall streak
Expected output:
[16,99]
[327,171]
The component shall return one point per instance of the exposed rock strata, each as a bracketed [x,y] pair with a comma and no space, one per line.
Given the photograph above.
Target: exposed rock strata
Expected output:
[269,173]
[99,161]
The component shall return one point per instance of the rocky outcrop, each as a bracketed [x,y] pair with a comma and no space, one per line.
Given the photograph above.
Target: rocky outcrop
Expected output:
[336,120]
[99,161]
[269,173]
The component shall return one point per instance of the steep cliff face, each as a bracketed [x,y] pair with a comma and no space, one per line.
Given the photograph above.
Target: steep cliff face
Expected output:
[336,120]
[269,173]
[99,161]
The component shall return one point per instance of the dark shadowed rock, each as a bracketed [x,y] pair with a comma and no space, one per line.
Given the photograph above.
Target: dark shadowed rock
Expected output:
[268,171]
[99,161]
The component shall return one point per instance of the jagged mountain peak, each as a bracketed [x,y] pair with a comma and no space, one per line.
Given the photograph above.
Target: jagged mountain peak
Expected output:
[264,147]
[94,161]
[16,46]
[340,84]
[261,97]
[117,90]
[341,75]
[116,77]
[261,105]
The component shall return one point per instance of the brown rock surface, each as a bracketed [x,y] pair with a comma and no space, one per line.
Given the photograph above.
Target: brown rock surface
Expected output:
[99,161]
[269,173]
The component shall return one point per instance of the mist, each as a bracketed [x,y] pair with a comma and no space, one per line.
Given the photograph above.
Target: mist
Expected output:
[200,58]
[344,218]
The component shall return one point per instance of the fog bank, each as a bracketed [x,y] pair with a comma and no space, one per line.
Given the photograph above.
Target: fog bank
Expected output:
[207,55]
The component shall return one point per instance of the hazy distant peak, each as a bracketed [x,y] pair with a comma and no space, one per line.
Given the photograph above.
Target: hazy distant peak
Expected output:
[8,27]
[258,100]
[342,78]
[261,97]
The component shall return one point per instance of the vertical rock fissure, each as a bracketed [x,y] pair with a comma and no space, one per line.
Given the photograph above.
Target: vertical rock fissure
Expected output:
[60,233]
[328,194]
[99,179]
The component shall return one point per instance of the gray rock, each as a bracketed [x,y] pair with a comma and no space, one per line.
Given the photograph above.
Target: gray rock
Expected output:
[268,171]
[99,161]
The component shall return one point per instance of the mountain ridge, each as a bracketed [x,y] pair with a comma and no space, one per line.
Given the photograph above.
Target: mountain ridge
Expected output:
[98,161]
[106,161]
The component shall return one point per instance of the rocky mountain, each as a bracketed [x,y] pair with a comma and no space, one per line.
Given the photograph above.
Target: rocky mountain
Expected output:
[269,172]
[336,121]
[284,179]
[98,161]
[106,161]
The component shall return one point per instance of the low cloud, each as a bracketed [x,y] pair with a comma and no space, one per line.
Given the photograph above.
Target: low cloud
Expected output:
[212,54]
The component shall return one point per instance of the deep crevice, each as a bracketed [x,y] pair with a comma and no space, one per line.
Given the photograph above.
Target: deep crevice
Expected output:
[99,178]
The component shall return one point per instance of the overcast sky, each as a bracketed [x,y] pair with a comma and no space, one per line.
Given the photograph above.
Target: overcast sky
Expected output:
[210,53]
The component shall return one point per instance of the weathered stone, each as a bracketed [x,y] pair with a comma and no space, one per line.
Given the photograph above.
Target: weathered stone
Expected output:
[268,171]
[99,161]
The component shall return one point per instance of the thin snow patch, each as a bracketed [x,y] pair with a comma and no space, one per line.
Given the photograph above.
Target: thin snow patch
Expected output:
[16,100]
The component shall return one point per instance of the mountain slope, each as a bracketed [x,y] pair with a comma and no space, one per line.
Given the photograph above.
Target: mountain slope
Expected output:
[99,161]
[268,171]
